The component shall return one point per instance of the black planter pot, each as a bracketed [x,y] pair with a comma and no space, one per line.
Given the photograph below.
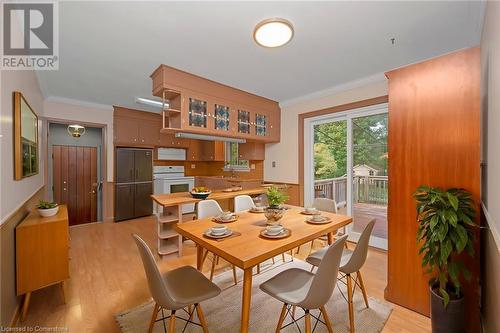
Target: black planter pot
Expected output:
[450,319]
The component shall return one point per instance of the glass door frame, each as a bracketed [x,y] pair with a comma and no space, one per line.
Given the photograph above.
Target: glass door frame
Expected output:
[348,116]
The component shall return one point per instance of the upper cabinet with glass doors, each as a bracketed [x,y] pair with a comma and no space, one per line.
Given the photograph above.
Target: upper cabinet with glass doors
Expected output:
[193,104]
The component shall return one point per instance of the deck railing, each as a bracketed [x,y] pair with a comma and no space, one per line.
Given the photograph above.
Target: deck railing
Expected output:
[366,189]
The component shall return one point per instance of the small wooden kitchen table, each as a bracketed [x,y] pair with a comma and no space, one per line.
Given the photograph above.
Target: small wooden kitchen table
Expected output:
[249,249]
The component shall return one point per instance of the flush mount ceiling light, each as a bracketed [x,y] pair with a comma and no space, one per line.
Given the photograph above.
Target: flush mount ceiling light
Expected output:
[273,32]
[76,131]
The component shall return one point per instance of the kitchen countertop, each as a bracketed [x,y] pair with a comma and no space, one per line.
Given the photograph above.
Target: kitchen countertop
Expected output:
[182,198]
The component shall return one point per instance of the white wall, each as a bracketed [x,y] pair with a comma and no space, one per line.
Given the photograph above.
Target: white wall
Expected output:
[490,86]
[286,153]
[84,113]
[14,193]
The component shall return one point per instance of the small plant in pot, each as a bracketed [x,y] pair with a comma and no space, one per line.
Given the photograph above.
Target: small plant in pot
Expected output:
[274,212]
[446,219]
[47,208]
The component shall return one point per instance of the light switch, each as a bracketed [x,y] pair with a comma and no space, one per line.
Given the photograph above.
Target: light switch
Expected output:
[274,164]
[193,166]
[252,166]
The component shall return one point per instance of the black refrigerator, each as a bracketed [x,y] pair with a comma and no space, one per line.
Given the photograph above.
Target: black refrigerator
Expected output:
[134,183]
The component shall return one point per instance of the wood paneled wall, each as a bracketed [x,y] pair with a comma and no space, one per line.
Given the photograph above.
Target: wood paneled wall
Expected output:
[434,139]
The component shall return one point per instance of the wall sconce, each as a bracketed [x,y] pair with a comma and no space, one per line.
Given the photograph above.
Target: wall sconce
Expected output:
[76,131]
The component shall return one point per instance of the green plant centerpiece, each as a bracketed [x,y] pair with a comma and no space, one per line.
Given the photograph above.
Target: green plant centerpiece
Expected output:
[445,230]
[47,208]
[274,212]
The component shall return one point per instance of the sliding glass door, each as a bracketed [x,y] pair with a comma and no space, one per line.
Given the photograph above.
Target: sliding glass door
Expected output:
[346,160]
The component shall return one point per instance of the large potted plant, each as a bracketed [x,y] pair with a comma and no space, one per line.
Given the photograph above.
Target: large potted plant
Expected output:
[446,220]
[274,212]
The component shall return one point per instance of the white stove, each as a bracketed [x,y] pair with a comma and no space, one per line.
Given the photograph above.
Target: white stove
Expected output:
[171,179]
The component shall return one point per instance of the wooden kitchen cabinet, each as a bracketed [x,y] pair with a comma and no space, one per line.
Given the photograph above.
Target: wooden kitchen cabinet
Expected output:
[168,140]
[213,151]
[126,130]
[254,151]
[194,152]
[206,107]
[149,133]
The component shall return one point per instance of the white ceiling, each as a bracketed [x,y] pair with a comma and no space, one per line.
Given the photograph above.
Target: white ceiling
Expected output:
[109,49]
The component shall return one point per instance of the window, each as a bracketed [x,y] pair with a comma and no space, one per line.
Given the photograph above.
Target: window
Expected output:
[233,162]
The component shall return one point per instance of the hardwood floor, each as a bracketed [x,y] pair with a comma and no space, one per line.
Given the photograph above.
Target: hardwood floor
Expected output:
[107,277]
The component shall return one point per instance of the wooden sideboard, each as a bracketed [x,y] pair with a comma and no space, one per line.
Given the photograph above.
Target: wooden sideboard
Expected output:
[42,253]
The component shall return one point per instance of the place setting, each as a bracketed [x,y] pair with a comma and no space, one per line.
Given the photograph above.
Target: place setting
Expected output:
[226,217]
[275,231]
[220,232]
[309,211]
[318,219]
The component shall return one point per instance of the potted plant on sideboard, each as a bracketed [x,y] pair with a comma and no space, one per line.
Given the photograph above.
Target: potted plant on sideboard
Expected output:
[274,212]
[446,219]
[47,208]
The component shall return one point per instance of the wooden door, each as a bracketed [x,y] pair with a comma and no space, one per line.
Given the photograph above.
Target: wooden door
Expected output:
[75,181]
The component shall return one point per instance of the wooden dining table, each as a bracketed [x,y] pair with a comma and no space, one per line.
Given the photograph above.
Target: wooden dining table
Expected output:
[246,248]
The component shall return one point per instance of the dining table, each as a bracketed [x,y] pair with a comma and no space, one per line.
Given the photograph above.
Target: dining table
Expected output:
[246,247]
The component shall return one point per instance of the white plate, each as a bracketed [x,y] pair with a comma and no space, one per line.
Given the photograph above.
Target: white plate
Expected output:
[285,233]
[209,234]
[325,220]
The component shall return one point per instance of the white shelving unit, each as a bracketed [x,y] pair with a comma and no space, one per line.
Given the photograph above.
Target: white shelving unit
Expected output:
[169,241]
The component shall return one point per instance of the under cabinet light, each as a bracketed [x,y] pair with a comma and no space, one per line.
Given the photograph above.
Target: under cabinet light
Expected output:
[208,137]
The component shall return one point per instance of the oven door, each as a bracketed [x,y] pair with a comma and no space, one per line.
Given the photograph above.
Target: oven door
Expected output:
[180,185]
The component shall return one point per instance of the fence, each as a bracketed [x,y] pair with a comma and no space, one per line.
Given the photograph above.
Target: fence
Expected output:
[366,189]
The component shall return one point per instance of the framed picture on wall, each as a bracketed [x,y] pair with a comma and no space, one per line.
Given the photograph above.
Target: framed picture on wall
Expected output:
[25,138]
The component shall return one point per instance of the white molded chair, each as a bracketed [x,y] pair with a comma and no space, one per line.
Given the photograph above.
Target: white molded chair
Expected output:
[211,208]
[325,205]
[351,262]
[298,287]
[174,290]
[243,202]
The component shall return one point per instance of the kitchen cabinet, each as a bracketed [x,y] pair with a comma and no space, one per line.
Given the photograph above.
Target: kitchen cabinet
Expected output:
[254,151]
[136,128]
[206,151]
[202,106]
[168,140]
[126,130]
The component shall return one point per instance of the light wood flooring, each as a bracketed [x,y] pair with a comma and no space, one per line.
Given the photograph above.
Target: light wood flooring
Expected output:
[107,277]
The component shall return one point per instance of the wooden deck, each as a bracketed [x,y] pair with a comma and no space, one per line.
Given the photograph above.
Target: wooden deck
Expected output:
[364,213]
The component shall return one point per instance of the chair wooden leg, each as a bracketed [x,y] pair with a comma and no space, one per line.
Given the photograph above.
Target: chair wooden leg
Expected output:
[171,322]
[291,254]
[153,317]
[350,305]
[273,260]
[293,311]
[283,257]
[235,278]
[218,260]
[212,269]
[363,290]
[282,318]
[308,321]
[327,319]
[258,268]
[201,317]
[298,250]
[204,258]
[311,247]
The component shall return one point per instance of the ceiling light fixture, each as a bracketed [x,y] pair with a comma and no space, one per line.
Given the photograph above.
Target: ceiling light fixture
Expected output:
[273,32]
[76,131]
[151,102]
